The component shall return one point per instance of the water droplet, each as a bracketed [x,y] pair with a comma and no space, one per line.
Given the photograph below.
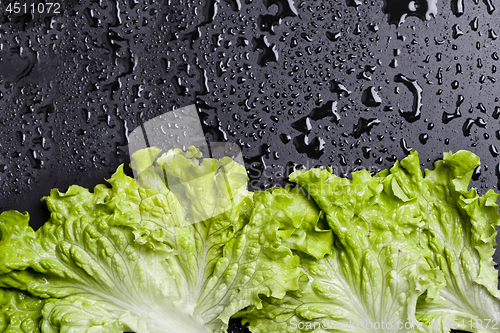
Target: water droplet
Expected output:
[339,88]
[364,126]
[269,52]
[457,7]
[477,173]
[354,3]
[327,110]
[285,138]
[492,34]
[496,112]
[357,30]
[343,160]
[286,8]
[447,117]
[481,107]
[489,6]
[371,98]
[33,157]
[366,152]
[312,148]
[90,16]
[497,173]
[474,24]
[306,37]
[333,36]
[398,10]
[480,122]
[494,150]
[456,31]
[404,146]
[235,4]
[416,90]
[423,138]
[303,125]
[469,122]
[21,137]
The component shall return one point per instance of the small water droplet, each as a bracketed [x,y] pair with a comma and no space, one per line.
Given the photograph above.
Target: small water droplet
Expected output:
[497,173]
[456,31]
[423,138]
[477,173]
[496,112]
[494,150]
[404,146]
[474,24]
[366,152]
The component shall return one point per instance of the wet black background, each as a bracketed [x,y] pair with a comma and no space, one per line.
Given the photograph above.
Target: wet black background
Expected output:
[352,84]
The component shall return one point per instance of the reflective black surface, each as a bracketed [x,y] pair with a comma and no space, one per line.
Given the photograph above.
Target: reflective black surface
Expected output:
[352,84]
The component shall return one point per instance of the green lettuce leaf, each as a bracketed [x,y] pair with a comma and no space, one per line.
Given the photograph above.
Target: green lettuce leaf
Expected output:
[19,312]
[373,275]
[129,258]
[302,226]
[460,235]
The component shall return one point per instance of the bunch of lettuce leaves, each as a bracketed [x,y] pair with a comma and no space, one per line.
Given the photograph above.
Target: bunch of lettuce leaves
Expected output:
[184,247]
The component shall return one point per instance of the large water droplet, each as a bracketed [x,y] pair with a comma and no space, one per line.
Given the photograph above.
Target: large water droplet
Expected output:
[364,126]
[496,112]
[370,97]
[398,10]
[339,88]
[489,6]
[469,122]
[312,148]
[457,6]
[447,117]
[416,90]
[269,52]
[285,9]
[329,109]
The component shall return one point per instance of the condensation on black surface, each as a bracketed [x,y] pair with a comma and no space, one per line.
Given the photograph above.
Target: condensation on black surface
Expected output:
[350,84]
